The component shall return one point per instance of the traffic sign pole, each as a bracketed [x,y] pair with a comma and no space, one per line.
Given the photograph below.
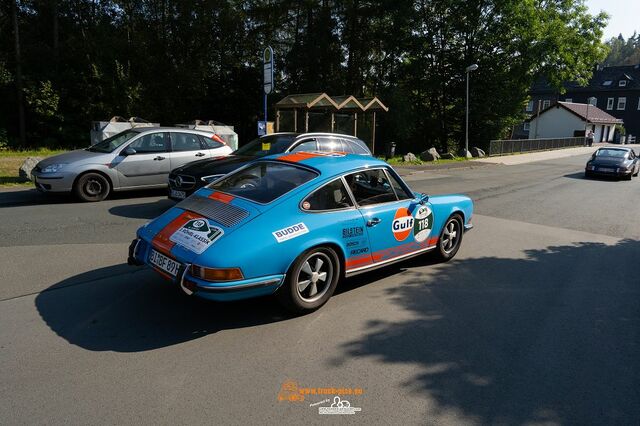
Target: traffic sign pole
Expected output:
[267,71]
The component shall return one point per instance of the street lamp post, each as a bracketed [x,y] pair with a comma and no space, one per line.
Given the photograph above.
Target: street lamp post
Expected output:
[470,68]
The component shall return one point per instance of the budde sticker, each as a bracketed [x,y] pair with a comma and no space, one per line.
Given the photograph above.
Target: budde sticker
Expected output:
[402,225]
[196,235]
[290,232]
[354,231]
[423,223]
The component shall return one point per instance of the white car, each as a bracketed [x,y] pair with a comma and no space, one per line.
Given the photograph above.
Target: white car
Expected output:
[134,159]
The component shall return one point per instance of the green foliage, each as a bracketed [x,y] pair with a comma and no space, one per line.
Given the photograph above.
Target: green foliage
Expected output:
[173,62]
[4,140]
[43,100]
[623,52]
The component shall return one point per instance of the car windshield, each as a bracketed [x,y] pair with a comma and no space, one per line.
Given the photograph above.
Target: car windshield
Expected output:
[266,145]
[619,153]
[114,142]
[264,182]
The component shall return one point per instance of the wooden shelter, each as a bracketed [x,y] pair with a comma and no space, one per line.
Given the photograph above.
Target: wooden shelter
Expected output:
[319,112]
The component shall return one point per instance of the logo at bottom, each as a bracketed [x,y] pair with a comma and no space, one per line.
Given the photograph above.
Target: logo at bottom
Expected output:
[339,406]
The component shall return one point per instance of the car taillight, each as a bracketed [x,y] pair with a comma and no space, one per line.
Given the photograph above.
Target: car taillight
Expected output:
[216,274]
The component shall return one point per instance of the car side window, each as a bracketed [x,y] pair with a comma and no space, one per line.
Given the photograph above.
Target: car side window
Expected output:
[346,146]
[370,187]
[153,142]
[330,145]
[309,146]
[401,192]
[332,196]
[185,142]
[359,147]
[209,143]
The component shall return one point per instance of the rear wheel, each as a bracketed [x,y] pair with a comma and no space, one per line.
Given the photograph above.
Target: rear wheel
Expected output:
[92,187]
[311,280]
[450,238]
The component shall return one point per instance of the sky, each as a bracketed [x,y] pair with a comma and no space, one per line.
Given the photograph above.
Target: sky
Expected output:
[624,16]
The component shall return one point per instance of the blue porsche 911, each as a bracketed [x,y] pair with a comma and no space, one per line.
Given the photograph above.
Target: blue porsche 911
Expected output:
[294,225]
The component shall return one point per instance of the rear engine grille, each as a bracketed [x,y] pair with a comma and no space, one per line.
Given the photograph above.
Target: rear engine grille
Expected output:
[225,214]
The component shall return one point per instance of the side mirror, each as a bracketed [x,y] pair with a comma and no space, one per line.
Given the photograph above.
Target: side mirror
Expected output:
[129,151]
[423,198]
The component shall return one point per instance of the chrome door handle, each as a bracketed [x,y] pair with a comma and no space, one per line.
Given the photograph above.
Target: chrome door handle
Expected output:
[159,158]
[373,221]
[200,154]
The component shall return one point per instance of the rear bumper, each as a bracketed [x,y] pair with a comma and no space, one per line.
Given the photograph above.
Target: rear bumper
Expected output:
[219,291]
[614,173]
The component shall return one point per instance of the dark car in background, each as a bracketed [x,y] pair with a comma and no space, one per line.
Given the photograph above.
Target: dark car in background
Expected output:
[614,162]
[185,180]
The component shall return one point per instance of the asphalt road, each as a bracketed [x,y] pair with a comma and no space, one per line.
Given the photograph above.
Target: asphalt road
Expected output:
[536,320]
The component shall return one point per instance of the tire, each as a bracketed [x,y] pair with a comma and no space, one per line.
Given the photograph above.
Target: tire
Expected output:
[92,187]
[450,238]
[300,294]
[628,177]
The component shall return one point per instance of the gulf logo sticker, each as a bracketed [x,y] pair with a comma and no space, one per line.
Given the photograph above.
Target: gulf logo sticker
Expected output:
[402,225]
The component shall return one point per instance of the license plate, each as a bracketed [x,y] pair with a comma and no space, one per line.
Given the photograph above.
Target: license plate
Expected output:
[178,194]
[604,169]
[164,263]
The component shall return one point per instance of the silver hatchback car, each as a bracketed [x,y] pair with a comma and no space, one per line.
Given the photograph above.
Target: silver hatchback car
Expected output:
[133,159]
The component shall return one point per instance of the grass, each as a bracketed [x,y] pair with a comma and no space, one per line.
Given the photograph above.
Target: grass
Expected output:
[10,162]
[397,161]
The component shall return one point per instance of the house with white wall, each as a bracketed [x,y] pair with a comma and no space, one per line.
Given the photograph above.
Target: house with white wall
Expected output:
[568,119]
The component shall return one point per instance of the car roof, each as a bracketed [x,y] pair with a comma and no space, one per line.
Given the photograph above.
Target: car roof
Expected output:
[311,134]
[169,129]
[328,163]
[614,148]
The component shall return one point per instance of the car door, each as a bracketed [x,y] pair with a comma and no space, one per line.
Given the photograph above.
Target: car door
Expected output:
[332,210]
[397,223]
[185,148]
[149,165]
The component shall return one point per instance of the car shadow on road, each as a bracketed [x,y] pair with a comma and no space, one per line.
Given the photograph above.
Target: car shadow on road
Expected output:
[149,210]
[31,196]
[553,337]
[124,308]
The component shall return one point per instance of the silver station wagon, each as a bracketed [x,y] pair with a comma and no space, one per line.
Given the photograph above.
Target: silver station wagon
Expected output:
[134,159]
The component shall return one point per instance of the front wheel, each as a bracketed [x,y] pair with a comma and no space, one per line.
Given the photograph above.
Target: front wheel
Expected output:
[311,280]
[92,187]
[450,238]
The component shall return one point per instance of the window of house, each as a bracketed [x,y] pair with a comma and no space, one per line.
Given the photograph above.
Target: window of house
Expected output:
[529,107]
[609,104]
[607,83]
[622,83]
[568,100]
[526,126]
[546,103]
[622,104]
[638,104]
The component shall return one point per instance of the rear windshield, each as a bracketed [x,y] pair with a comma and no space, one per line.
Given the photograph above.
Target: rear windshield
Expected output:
[266,145]
[611,153]
[114,142]
[263,182]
